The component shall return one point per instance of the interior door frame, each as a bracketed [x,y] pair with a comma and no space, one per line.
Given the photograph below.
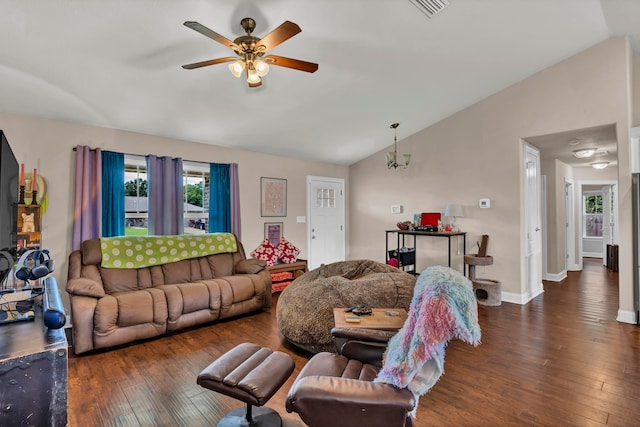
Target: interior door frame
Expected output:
[531,290]
[570,226]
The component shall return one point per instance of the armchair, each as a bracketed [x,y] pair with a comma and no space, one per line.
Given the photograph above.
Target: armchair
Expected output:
[377,377]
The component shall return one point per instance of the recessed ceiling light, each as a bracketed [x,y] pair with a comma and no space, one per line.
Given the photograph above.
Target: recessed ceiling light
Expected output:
[599,165]
[601,153]
[584,152]
[574,142]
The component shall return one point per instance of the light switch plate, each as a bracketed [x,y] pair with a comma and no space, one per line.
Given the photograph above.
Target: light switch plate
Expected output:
[396,209]
[301,219]
[484,203]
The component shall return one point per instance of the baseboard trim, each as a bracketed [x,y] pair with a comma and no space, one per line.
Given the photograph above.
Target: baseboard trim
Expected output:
[559,277]
[626,316]
[592,255]
[522,299]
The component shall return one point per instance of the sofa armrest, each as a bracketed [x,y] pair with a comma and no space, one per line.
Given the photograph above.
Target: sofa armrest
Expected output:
[365,345]
[82,286]
[250,266]
[317,399]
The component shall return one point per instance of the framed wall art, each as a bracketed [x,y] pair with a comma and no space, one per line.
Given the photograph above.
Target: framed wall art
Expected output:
[273,197]
[273,232]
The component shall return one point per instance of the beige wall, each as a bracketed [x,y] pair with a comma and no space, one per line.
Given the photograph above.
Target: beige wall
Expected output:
[478,153]
[48,144]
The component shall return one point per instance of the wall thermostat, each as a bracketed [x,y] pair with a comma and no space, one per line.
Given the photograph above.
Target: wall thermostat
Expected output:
[484,203]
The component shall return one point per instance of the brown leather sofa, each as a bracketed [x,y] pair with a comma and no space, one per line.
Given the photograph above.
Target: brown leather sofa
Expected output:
[110,307]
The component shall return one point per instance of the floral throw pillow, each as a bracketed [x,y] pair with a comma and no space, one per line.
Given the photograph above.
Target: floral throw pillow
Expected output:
[267,252]
[288,252]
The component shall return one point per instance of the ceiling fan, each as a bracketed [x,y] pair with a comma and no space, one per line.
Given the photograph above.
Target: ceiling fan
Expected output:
[251,51]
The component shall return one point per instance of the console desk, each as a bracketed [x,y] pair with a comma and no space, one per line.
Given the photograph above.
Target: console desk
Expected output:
[400,242]
[33,373]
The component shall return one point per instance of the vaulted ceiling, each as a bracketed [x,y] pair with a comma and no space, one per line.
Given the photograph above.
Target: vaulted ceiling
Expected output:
[117,64]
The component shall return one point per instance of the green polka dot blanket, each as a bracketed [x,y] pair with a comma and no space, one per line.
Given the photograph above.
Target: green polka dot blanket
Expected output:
[145,251]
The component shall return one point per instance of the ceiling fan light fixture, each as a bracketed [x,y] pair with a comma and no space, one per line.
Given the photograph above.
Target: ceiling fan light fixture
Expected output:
[599,165]
[252,75]
[262,68]
[583,153]
[237,67]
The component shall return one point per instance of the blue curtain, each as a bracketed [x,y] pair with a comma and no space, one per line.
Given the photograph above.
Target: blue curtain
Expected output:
[112,194]
[220,198]
[166,195]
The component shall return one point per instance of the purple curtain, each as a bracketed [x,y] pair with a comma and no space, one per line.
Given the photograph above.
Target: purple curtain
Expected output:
[87,209]
[166,201]
[235,200]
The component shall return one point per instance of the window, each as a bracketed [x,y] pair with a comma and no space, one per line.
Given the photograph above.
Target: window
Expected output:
[195,178]
[592,214]
[136,198]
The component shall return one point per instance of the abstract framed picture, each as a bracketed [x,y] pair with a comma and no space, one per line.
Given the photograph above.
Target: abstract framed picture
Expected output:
[273,232]
[273,197]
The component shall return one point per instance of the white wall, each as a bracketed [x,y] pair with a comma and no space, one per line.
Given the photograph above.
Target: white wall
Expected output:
[48,145]
[478,153]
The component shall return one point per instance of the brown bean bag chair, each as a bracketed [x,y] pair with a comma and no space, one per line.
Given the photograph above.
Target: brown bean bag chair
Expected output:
[305,307]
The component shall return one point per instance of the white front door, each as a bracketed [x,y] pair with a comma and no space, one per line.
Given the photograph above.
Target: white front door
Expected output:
[533,234]
[325,227]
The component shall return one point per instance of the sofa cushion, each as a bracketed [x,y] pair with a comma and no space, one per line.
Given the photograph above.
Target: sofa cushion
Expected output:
[177,272]
[220,265]
[119,279]
[134,308]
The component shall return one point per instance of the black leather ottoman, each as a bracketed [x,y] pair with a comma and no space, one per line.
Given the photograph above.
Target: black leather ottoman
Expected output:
[252,374]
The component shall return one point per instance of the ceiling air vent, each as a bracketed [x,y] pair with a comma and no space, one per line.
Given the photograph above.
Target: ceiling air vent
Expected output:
[430,7]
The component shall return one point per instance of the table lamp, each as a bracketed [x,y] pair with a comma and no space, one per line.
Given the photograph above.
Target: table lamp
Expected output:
[452,210]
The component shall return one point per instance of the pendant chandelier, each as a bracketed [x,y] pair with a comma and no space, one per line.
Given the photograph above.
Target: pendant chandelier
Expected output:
[392,156]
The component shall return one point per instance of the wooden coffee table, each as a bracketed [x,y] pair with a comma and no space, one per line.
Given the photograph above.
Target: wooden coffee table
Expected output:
[377,320]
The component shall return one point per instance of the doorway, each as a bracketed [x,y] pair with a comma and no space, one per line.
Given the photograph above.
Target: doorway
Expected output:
[570,229]
[597,223]
[533,252]
[325,225]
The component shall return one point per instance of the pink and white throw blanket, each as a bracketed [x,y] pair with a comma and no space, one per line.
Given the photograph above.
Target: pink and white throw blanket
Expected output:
[443,307]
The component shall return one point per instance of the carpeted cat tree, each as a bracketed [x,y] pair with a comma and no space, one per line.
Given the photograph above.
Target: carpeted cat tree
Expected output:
[488,291]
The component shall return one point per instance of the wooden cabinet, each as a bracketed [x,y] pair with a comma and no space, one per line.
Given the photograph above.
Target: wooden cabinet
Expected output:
[29,226]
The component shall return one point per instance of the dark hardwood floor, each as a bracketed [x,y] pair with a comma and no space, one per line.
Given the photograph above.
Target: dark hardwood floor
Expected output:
[561,360]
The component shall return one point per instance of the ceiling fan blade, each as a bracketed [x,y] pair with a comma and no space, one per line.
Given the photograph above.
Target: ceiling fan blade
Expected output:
[211,34]
[209,62]
[296,64]
[284,32]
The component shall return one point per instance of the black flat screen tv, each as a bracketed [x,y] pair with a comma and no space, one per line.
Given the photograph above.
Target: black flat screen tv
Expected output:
[8,196]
